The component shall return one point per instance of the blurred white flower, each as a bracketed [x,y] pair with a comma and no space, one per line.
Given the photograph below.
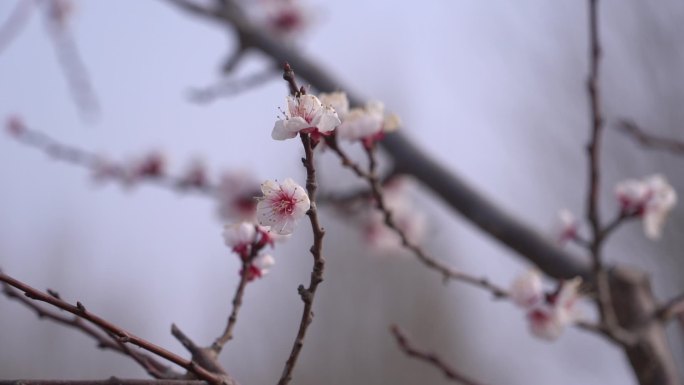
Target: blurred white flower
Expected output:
[360,123]
[237,192]
[306,114]
[336,100]
[240,237]
[406,216]
[548,319]
[282,205]
[264,262]
[652,198]
[526,291]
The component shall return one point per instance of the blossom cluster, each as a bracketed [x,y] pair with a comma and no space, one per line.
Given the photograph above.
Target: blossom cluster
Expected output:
[548,313]
[651,198]
[248,241]
[331,114]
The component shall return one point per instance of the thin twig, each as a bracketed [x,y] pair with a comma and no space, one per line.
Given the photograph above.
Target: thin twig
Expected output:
[151,365]
[431,358]
[94,162]
[377,193]
[121,334]
[109,381]
[227,335]
[647,140]
[307,294]
[231,87]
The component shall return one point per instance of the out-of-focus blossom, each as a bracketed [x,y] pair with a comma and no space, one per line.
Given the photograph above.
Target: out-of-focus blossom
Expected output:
[195,175]
[408,219]
[237,192]
[527,291]
[337,100]
[15,125]
[282,205]
[60,11]
[547,313]
[240,237]
[567,226]
[306,114]
[285,19]
[652,198]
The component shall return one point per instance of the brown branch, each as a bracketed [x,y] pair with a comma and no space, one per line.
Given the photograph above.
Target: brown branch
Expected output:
[110,381]
[307,294]
[647,140]
[671,309]
[377,193]
[227,335]
[153,367]
[431,358]
[117,332]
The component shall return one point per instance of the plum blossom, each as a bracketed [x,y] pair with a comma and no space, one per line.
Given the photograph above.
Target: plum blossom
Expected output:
[247,241]
[407,218]
[236,193]
[651,198]
[367,124]
[282,205]
[195,175]
[547,313]
[527,290]
[306,114]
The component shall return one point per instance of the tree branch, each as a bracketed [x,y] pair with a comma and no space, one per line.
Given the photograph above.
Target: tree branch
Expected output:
[117,332]
[647,140]
[431,358]
[409,159]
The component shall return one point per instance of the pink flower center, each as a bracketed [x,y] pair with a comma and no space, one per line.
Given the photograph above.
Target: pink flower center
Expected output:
[283,204]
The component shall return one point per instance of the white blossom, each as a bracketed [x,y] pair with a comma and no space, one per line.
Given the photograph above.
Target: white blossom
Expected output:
[549,319]
[568,226]
[305,113]
[653,198]
[282,205]
[239,235]
[526,291]
[264,262]
[362,122]
[336,100]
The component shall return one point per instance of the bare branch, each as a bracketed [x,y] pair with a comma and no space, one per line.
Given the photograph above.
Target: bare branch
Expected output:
[431,358]
[231,87]
[14,23]
[376,192]
[647,140]
[119,333]
[671,309]
[110,381]
[153,367]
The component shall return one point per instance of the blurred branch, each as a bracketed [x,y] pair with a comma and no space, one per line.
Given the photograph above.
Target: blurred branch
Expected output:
[231,87]
[672,308]
[14,23]
[431,358]
[153,367]
[120,334]
[407,157]
[97,165]
[377,194]
[647,140]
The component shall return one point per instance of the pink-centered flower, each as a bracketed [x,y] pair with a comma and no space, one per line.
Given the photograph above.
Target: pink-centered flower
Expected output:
[549,318]
[305,113]
[652,198]
[282,205]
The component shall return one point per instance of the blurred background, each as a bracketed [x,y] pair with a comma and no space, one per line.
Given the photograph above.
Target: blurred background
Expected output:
[494,90]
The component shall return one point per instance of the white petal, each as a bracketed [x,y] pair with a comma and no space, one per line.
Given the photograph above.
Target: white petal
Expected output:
[283,130]
[527,291]
[239,233]
[336,100]
[326,120]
